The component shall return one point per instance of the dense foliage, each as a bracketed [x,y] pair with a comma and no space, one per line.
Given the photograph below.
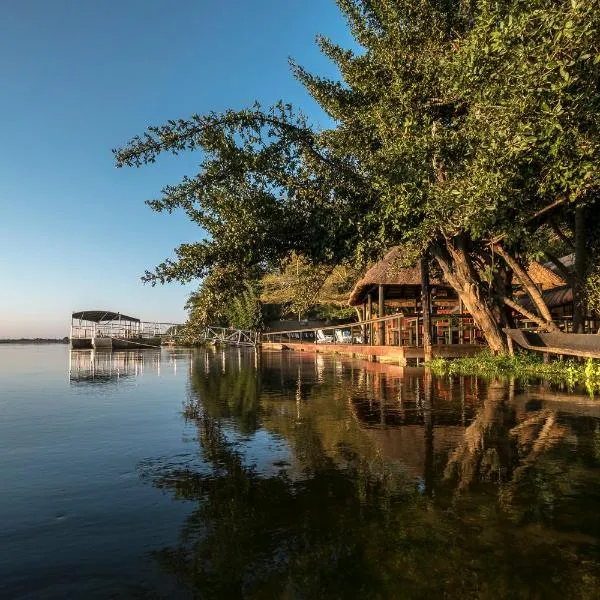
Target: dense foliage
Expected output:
[462,128]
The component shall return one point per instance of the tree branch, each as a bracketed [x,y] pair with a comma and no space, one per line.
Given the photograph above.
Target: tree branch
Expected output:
[524,312]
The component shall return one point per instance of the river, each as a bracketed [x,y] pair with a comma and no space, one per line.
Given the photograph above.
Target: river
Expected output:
[233,474]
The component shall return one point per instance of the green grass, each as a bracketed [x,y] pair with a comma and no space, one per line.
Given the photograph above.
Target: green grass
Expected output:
[524,365]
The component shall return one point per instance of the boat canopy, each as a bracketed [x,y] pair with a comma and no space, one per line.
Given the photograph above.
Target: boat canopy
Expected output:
[101,316]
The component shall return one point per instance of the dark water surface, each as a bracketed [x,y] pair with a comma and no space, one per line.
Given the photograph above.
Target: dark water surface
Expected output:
[226,474]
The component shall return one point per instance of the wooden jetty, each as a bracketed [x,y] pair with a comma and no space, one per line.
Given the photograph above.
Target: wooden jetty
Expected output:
[396,338]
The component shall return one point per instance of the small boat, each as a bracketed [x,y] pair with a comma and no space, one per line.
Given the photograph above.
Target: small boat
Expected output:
[585,345]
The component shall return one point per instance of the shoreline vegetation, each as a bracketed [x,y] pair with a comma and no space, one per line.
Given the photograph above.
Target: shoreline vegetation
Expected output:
[64,340]
[523,366]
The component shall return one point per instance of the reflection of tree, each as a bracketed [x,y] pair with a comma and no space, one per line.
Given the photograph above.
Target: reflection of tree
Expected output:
[526,455]
[228,389]
[271,536]
[487,453]
[341,523]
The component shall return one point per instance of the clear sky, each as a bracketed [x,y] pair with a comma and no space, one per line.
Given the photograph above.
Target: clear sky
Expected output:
[79,77]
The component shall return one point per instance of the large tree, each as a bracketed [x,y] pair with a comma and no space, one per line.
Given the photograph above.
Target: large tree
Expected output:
[460,128]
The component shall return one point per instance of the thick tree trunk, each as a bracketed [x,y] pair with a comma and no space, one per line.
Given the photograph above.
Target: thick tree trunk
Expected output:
[460,274]
[579,308]
[529,286]
[502,287]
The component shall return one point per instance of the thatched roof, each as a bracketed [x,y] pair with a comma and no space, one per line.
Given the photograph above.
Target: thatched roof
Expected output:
[553,298]
[388,271]
[545,277]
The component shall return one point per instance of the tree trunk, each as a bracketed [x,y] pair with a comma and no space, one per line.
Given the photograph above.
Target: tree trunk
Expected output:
[460,274]
[579,271]
[529,285]
[502,287]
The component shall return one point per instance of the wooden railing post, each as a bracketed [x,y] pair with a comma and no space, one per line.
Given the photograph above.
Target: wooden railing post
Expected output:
[381,328]
[417,331]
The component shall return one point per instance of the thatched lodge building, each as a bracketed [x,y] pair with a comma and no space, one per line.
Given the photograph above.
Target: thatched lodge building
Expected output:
[389,287]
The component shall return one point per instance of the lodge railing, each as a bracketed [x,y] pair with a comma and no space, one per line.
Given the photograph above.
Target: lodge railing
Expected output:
[565,324]
[392,330]
[125,330]
[230,336]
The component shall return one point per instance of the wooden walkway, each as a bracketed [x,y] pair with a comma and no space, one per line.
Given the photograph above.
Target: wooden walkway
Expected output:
[394,338]
[400,355]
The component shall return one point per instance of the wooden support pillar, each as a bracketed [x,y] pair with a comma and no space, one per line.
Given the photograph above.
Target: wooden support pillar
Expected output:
[460,322]
[400,331]
[426,304]
[381,314]
[363,328]
[369,317]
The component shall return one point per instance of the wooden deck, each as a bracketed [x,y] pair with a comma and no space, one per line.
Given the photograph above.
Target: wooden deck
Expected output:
[400,355]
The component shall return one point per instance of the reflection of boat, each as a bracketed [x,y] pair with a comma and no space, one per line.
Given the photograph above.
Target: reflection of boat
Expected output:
[104,366]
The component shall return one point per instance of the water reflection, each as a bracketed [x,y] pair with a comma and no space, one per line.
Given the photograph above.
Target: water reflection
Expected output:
[398,484]
[106,366]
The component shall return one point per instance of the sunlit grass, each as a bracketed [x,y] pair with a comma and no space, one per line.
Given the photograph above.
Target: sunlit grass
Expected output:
[523,365]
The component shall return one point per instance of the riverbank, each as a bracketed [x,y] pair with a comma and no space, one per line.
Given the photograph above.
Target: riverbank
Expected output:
[64,340]
[523,365]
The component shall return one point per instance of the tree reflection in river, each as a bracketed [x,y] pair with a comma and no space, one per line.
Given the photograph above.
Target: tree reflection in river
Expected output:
[398,485]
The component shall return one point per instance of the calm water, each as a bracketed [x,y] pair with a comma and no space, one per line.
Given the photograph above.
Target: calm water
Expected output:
[214,474]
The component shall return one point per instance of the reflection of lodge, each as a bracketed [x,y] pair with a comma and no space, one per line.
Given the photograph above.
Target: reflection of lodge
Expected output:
[407,417]
[417,421]
[105,366]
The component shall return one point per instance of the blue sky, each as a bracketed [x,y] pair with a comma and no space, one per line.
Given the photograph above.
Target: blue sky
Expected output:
[79,77]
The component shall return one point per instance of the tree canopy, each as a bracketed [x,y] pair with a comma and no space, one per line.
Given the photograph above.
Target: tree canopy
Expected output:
[460,128]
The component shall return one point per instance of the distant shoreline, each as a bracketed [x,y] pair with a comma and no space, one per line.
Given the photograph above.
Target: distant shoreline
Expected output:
[64,340]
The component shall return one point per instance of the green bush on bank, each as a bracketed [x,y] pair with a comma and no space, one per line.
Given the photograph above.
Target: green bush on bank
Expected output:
[523,365]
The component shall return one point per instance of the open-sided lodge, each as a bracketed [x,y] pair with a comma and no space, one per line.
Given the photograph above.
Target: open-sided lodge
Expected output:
[389,288]
[388,299]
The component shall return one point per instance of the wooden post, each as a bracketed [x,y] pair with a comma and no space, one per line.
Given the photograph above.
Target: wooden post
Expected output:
[426,304]
[363,328]
[370,311]
[460,322]
[381,324]
[399,331]
[417,331]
